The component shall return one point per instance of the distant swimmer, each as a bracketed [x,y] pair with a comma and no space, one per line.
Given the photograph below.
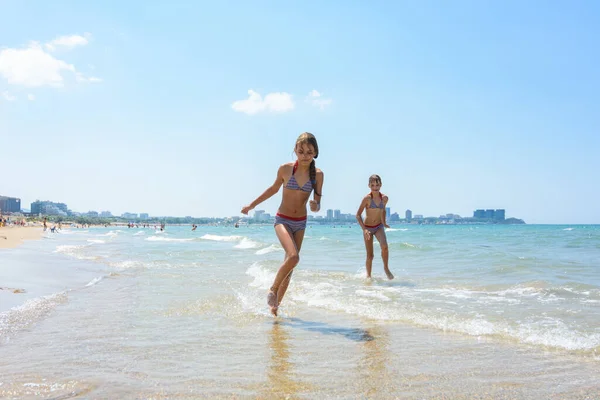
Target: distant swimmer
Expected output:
[237,225]
[290,221]
[374,223]
[194,226]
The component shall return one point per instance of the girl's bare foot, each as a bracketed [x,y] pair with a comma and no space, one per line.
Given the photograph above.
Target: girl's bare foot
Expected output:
[389,274]
[272,302]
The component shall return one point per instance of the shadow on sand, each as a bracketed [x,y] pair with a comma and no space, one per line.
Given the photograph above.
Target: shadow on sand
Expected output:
[354,334]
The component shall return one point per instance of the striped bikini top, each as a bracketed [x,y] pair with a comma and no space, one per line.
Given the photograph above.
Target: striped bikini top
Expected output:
[292,184]
[373,205]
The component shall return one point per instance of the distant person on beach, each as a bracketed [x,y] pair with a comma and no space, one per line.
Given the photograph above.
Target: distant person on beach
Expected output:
[290,221]
[194,226]
[374,223]
[45,224]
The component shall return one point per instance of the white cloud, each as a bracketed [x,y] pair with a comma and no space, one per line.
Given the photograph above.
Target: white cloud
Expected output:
[68,42]
[316,99]
[7,96]
[272,102]
[32,66]
[31,97]
[82,78]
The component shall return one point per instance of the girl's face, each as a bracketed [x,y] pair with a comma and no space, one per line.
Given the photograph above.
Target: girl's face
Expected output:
[375,186]
[305,153]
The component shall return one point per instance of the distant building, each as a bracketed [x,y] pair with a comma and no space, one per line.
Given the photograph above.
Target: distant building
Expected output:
[92,214]
[336,214]
[418,216]
[329,214]
[388,211]
[394,217]
[258,214]
[106,214]
[10,204]
[129,215]
[145,216]
[499,215]
[49,208]
[408,215]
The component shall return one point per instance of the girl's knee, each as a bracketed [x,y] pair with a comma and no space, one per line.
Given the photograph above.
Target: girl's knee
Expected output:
[370,256]
[384,248]
[293,258]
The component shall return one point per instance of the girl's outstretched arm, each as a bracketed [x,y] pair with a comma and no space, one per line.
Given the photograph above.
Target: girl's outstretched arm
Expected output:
[315,203]
[271,190]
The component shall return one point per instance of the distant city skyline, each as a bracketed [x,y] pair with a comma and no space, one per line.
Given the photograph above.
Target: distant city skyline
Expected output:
[456,105]
[335,213]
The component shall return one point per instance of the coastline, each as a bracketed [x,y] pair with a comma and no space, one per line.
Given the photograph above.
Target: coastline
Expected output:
[13,236]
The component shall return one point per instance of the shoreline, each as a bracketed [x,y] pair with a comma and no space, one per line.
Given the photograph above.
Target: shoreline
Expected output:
[13,236]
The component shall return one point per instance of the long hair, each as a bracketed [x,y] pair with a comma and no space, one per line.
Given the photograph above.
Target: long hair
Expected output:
[310,139]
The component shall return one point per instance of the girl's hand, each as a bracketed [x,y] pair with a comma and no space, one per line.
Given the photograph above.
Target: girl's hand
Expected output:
[245,209]
[314,206]
[386,225]
[367,234]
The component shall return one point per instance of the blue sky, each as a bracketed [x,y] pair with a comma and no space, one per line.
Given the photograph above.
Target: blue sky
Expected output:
[145,107]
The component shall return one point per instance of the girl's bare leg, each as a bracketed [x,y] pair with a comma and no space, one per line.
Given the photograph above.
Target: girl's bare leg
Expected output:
[369,247]
[286,238]
[298,238]
[380,235]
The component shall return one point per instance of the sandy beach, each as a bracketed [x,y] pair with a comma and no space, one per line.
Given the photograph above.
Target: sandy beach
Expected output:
[12,236]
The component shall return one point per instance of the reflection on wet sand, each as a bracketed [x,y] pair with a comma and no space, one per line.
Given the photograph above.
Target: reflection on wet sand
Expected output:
[282,379]
[373,369]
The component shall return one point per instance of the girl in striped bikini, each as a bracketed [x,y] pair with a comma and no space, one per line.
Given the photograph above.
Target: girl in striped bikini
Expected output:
[374,223]
[290,221]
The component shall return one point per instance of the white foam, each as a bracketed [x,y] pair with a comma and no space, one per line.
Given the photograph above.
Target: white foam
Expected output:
[269,249]
[20,317]
[218,238]
[372,294]
[97,241]
[262,277]
[127,264]
[110,234]
[166,239]
[94,281]
[407,304]
[247,244]
[68,248]
[139,233]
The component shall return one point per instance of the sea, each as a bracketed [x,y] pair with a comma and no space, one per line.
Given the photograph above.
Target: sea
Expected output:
[474,311]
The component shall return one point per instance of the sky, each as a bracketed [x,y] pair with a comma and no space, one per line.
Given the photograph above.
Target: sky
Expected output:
[188,108]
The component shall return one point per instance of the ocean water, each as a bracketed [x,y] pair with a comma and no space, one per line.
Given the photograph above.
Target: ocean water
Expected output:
[474,310]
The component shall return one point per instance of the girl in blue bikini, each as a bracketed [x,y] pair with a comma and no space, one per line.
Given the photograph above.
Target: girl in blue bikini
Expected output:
[374,223]
[290,221]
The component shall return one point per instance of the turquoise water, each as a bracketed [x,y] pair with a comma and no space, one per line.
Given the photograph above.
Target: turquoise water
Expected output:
[151,295]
